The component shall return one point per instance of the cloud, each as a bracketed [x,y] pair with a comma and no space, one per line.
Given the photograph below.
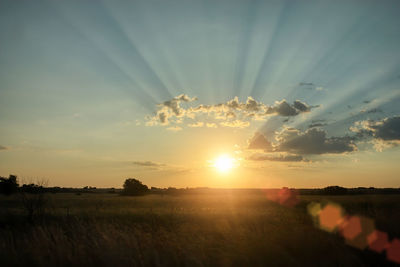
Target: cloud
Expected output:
[311,86]
[312,141]
[174,103]
[211,125]
[301,107]
[306,84]
[147,164]
[385,132]
[317,124]
[170,108]
[259,141]
[196,125]
[372,110]
[233,113]
[283,108]
[3,147]
[280,157]
[236,124]
[387,129]
[155,166]
[381,145]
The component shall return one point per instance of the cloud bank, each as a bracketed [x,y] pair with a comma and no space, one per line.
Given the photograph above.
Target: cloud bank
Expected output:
[280,157]
[233,113]
[312,141]
[295,144]
[383,133]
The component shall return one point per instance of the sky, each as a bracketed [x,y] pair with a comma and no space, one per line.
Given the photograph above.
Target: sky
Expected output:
[291,93]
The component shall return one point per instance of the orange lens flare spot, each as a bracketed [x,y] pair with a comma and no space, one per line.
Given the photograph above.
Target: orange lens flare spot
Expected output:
[356,230]
[393,251]
[330,217]
[351,227]
[378,241]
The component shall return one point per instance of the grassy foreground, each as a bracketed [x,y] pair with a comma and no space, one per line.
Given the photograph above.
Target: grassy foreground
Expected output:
[229,229]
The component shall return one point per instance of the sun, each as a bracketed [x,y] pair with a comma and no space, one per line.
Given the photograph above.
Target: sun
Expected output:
[224,163]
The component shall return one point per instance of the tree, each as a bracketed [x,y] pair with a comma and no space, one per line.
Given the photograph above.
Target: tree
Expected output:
[335,190]
[8,186]
[134,187]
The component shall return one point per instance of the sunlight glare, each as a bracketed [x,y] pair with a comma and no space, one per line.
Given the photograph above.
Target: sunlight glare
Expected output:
[224,163]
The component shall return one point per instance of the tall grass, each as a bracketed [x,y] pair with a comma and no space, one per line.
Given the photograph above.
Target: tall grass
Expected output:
[192,230]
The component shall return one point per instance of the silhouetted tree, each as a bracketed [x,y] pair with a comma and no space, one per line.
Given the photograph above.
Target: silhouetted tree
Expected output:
[8,185]
[134,187]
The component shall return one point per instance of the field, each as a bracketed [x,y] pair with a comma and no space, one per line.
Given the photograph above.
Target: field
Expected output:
[214,229]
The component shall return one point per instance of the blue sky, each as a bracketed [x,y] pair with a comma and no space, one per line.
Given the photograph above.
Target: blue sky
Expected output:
[80,80]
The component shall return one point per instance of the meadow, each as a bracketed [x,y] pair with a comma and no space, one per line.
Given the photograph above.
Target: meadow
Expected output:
[211,229]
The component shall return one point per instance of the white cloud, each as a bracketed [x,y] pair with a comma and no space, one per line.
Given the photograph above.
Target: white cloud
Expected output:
[211,125]
[235,124]
[196,125]
[233,113]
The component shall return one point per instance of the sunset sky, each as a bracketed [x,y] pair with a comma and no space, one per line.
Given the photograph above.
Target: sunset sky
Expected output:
[289,93]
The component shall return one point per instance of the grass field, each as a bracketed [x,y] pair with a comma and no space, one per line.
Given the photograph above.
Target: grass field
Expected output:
[224,229]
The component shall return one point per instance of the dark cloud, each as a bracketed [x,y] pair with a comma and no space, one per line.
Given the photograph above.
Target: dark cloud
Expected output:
[283,108]
[3,147]
[148,164]
[161,167]
[317,124]
[311,86]
[312,141]
[306,84]
[283,158]
[373,110]
[301,106]
[259,142]
[387,129]
[319,120]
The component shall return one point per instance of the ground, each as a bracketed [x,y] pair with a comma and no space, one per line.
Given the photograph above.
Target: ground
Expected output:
[208,229]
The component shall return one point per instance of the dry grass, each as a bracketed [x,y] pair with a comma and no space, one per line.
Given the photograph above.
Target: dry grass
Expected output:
[193,230]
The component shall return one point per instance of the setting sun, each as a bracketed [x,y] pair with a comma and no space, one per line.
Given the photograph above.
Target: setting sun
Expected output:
[224,163]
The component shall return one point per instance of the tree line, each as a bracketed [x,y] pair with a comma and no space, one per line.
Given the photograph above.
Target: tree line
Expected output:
[134,187]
